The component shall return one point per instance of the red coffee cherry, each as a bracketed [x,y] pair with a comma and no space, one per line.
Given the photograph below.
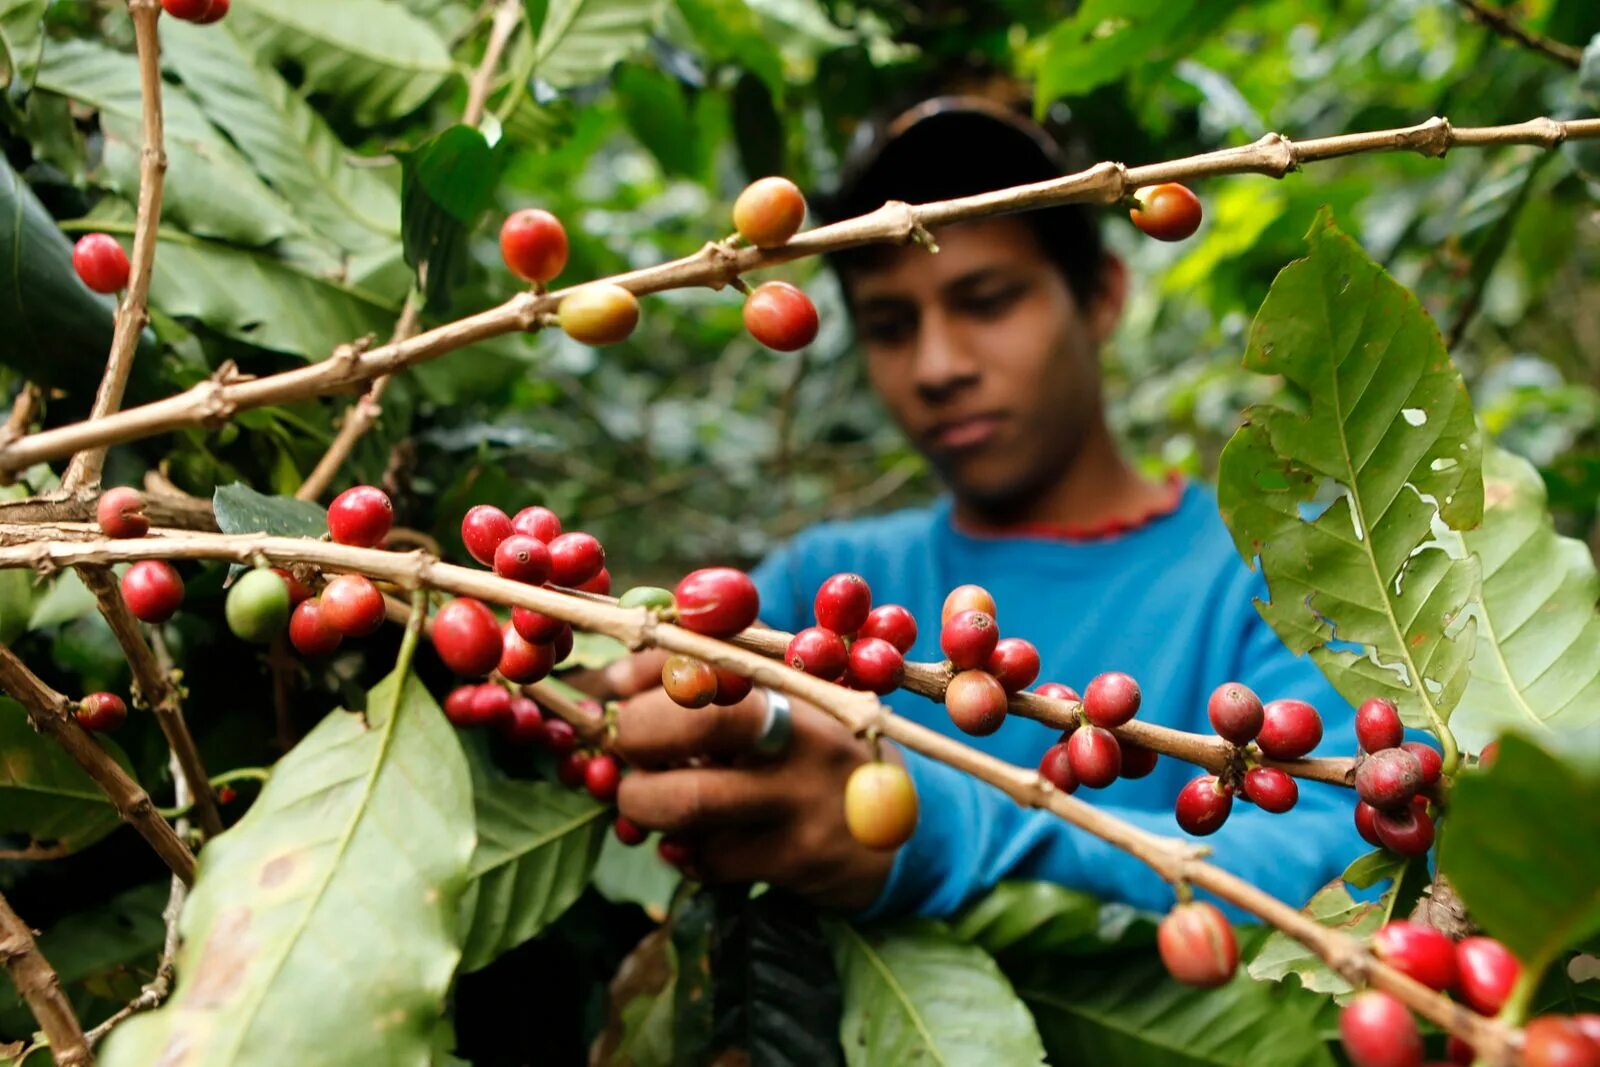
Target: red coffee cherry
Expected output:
[1289,729]
[1235,712]
[966,598]
[536,627]
[1418,951]
[1366,823]
[299,591]
[1197,945]
[1407,831]
[1137,761]
[1485,972]
[490,705]
[1388,778]
[1428,759]
[769,212]
[717,601]
[458,705]
[575,558]
[467,637]
[629,832]
[1014,664]
[969,639]
[1378,725]
[819,651]
[1057,691]
[1055,767]
[1378,1031]
[892,623]
[1112,699]
[352,605]
[842,603]
[101,711]
[731,687]
[1203,805]
[522,661]
[360,516]
[522,559]
[780,316]
[880,805]
[152,590]
[525,724]
[563,645]
[193,10]
[1558,1041]
[1168,212]
[536,522]
[690,682]
[309,631]
[675,851]
[600,313]
[483,527]
[120,513]
[570,771]
[1270,789]
[534,244]
[1490,753]
[601,776]
[1588,1023]
[219,8]
[876,666]
[1459,1052]
[600,584]
[976,703]
[559,736]
[101,263]
[1096,756]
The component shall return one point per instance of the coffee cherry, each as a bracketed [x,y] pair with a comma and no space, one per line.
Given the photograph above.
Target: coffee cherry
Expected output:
[1235,712]
[1378,725]
[880,805]
[299,591]
[675,851]
[1366,823]
[1057,691]
[360,516]
[562,644]
[524,725]
[892,623]
[257,608]
[976,703]
[1270,789]
[1289,729]
[522,559]
[522,661]
[1014,664]
[1428,759]
[769,212]
[1203,805]
[1197,945]
[1588,1023]
[1168,212]
[535,626]
[534,244]
[152,590]
[192,10]
[536,522]
[842,603]
[120,513]
[1111,699]
[600,313]
[629,832]
[467,637]
[1137,761]
[818,651]
[731,687]
[1459,1052]
[966,598]
[482,529]
[690,682]
[876,666]
[218,9]
[458,706]
[1485,972]
[1388,778]
[101,711]
[560,737]
[717,601]
[352,605]
[780,316]
[1407,831]
[1558,1041]
[650,597]
[101,263]
[1055,767]
[1418,951]
[601,776]
[1490,753]
[490,705]
[969,639]
[310,633]
[571,769]
[1378,1031]
[600,584]
[1096,756]
[575,558]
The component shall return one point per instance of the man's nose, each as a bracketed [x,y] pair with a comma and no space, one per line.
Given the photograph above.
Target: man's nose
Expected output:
[944,363]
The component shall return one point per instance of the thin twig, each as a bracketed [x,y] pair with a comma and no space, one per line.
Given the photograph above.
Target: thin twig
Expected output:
[214,401]
[39,985]
[506,17]
[1503,24]
[37,851]
[24,408]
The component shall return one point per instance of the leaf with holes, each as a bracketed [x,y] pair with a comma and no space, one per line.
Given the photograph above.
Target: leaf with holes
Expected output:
[44,794]
[1376,420]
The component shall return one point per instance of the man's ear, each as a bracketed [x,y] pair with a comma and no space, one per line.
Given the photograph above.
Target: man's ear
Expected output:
[1106,310]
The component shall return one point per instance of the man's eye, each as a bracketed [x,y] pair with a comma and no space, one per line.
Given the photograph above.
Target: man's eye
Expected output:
[888,329]
[993,304]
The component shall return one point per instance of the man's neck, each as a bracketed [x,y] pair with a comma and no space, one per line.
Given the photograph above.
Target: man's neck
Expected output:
[1098,488]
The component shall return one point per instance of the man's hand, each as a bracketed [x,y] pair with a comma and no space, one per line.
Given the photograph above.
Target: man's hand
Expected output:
[750,819]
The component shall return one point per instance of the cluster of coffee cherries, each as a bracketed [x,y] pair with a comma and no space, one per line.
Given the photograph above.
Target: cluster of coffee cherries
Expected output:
[533,243]
[201,11]
[854,643]
[1393,780]
[985,668]
[1089,754]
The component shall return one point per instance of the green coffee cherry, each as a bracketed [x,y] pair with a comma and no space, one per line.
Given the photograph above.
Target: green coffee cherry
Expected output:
[649,596]
[258,606]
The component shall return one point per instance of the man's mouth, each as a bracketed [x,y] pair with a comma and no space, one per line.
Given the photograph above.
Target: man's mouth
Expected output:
[960,435]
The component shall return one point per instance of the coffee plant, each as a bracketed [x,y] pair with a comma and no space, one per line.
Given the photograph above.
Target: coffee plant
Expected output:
[286,783]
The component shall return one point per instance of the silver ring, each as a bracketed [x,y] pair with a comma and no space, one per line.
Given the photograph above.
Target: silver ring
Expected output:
[779,727]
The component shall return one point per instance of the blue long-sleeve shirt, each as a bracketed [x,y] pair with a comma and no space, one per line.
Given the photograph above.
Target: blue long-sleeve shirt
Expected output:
[1170,603]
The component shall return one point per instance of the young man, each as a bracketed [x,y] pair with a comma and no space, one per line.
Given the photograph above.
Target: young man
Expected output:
[987,356]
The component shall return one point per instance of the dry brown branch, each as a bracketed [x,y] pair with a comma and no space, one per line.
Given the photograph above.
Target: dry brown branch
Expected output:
[24,409]
[1503,24]
[36,980]
[178,512]
[37,851]
[717,265]
[51,714]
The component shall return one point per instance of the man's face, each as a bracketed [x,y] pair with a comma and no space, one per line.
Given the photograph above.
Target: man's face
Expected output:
[985,358]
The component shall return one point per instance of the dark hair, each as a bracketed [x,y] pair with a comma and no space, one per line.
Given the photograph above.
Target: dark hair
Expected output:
[948,148]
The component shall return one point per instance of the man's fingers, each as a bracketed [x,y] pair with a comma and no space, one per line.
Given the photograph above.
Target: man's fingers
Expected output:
[652,731]
[700,798]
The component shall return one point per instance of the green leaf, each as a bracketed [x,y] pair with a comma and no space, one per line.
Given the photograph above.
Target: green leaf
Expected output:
[657,111]
[912,993]
[447,185]
[581,40]
[1376,420]
[1105,40]
[730,33]
[540,127]
[44,794]
[1537,666]
[240,510]
[322,927]
[21,38]
[1025,919]
[534,12]
[636,875]
[1520,845]
[639,1032]
[66,599]
[777,995]
[537,844]
[16,604]
[1333,907]
[373,57]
